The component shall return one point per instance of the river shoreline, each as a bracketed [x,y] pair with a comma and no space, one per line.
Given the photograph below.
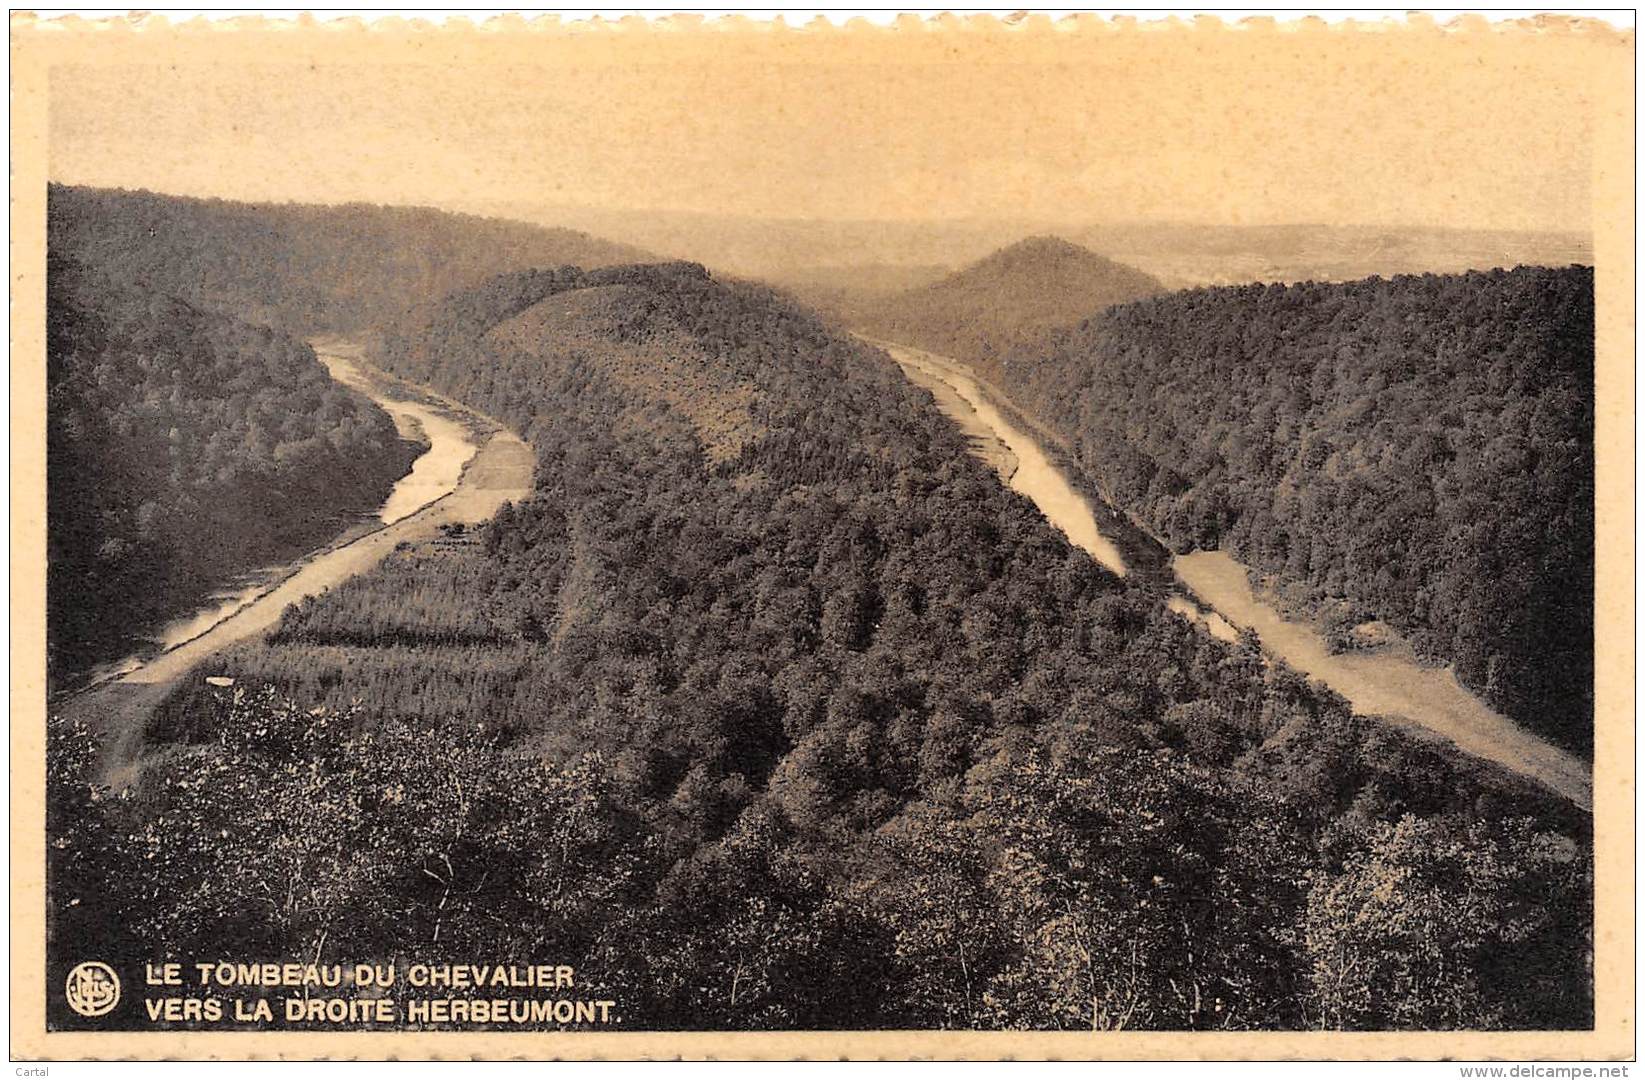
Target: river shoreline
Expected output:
[494,466]
[1214,590]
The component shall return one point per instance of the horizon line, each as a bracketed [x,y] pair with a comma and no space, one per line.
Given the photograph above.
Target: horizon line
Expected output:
[509,210]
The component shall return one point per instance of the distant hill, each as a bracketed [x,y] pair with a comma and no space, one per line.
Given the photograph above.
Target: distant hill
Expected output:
[1180,254]
[1183,255]
[1010,298]
[848,293]
[780,249]
[302,269]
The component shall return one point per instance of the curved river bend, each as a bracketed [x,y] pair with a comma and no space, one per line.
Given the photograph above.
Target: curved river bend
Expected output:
[1388,682]
[473,465]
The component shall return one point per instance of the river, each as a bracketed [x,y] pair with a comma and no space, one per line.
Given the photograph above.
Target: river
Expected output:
[1214,590]
[1013,453]
[437,470]
[433,475]
[472,466]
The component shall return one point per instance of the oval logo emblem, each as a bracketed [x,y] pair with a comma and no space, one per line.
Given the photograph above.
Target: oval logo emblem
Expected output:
[93,989]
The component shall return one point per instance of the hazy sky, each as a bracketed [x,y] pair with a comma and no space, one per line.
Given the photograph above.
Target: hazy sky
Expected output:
[1467,130]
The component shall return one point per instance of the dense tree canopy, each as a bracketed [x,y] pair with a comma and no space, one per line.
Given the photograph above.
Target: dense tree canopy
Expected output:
[182,447]
[191,438]
[1417,450]
[771,707]
[304,269]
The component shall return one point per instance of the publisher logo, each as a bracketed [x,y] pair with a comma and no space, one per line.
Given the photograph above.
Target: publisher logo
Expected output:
[93,989]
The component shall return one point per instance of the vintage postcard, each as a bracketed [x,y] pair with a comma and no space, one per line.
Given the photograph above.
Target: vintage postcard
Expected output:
[962,537]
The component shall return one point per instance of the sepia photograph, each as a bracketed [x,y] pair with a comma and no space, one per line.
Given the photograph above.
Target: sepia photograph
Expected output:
[926,537]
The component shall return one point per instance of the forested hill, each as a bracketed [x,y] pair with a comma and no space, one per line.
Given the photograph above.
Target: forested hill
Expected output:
[772,707]
[193,435]
[1421,448]
[1008,299]
[184,446]
[304,269]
